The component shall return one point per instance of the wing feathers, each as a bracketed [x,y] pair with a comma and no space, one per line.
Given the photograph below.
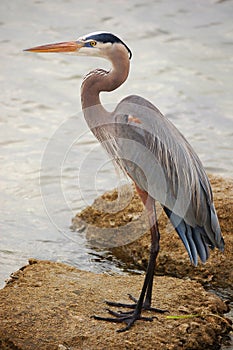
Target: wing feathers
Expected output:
[192,238]
[172,173]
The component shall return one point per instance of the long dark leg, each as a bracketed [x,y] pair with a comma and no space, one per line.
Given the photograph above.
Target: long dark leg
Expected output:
[144,301]
[154,250]
[148,282]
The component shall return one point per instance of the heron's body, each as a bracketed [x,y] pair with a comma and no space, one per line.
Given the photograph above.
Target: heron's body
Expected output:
[156,156]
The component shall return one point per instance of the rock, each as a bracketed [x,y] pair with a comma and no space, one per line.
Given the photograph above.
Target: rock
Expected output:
[129,239]
[48,306]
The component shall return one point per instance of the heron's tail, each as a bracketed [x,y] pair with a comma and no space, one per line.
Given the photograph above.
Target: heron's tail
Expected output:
[195,239]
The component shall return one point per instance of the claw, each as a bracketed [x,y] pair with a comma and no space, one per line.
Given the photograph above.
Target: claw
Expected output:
[132,298]
[133,306]
[121,317]
[113,303]
[128,317]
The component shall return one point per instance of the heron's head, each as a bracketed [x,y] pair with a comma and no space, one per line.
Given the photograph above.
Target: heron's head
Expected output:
[98,44]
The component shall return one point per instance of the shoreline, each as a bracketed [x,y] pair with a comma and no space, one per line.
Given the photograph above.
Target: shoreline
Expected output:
[48,305]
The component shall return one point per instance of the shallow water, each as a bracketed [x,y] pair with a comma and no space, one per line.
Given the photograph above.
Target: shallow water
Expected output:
[51,166]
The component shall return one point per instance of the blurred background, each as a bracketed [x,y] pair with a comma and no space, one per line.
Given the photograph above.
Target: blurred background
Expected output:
[51,165]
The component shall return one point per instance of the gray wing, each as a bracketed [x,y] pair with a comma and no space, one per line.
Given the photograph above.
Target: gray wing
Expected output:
[161,162]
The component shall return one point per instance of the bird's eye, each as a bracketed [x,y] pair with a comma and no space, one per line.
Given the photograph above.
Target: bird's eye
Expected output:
[93,43]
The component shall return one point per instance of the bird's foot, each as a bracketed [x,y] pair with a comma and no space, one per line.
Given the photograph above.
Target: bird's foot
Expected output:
[128,317]
[123,317]
[145,306]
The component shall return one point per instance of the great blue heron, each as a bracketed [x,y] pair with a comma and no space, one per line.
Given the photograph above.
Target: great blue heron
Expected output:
[155,155]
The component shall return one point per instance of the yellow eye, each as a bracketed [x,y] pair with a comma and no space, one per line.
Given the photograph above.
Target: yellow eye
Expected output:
[93,43]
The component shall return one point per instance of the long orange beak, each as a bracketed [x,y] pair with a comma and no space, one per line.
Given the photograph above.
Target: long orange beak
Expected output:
[68,46]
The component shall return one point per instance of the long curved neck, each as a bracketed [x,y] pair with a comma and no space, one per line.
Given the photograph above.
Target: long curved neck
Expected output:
[100,80]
